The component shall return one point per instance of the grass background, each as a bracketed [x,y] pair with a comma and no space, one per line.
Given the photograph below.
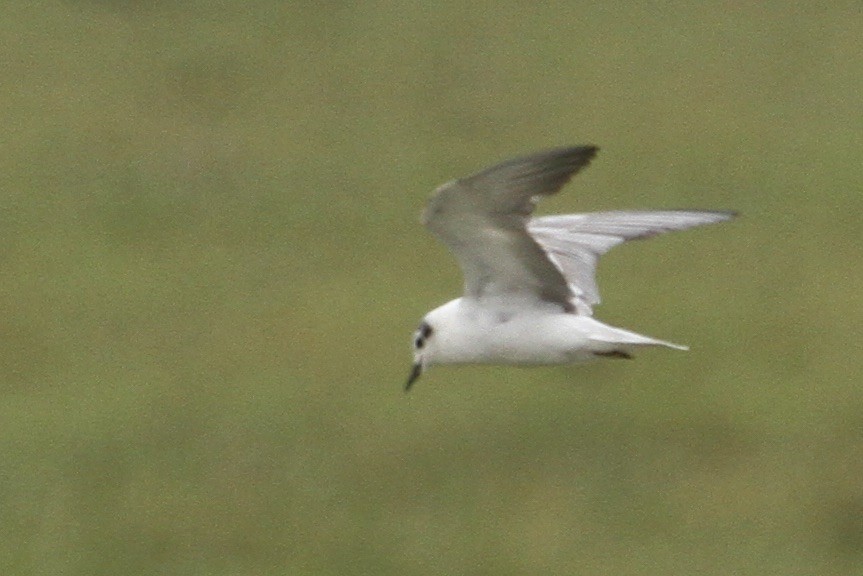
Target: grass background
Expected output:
[212,266]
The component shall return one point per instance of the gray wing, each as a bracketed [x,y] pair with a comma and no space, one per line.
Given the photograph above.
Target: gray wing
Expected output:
[574,242]
[482,219]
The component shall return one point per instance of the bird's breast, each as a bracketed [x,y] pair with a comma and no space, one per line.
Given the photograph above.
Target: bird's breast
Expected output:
[502,337]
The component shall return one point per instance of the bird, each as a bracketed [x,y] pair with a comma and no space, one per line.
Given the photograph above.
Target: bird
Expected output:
[529,282]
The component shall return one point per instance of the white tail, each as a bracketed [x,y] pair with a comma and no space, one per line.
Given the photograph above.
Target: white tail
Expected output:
[618,336]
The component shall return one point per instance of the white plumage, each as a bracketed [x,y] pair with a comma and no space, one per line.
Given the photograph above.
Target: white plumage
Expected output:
[530,284]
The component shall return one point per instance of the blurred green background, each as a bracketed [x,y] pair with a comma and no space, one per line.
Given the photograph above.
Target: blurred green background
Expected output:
[212,266]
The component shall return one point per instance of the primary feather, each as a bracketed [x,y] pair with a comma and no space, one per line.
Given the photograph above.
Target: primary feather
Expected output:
[574,242]
[482,219]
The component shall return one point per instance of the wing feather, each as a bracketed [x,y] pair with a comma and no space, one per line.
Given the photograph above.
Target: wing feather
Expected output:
[574,242]
[482,219]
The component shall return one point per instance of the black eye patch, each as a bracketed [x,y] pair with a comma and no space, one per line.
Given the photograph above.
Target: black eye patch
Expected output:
[425,330]
[422,334]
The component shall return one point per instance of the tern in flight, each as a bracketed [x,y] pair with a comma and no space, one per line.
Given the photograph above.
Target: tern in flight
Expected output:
[529,283]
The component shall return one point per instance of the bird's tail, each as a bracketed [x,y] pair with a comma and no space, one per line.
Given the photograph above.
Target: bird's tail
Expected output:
[612,339]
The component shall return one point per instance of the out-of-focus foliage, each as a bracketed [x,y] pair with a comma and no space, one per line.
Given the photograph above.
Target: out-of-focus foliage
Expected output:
[212,265]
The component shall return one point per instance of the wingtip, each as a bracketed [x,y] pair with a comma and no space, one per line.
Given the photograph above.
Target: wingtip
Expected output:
[726,215]
[717,215]
[569,159]
[584,151]
[590,151]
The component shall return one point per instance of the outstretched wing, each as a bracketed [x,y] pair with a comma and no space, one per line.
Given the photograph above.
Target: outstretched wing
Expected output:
[482,219]
[574,242]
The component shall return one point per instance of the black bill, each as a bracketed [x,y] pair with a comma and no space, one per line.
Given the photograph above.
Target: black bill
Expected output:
[416,372]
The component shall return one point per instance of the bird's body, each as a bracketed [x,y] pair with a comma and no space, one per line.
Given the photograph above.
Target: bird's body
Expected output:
[530,282]
[468,333]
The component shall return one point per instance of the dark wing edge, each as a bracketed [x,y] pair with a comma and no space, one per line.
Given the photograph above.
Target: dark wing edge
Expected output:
[513,186]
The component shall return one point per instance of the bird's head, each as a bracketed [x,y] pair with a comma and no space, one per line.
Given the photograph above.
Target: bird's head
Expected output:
[424,344]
